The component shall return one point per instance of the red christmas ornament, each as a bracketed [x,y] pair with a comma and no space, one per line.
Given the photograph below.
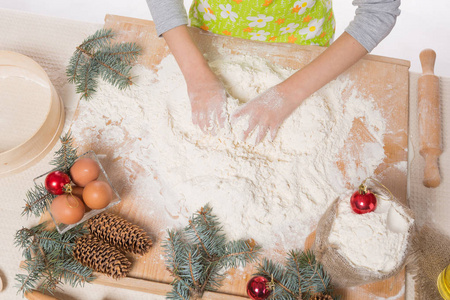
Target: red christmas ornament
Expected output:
[363,201]
[55,182]
[258,288]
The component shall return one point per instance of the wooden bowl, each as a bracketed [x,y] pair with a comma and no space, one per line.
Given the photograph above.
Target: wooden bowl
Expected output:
[31,113]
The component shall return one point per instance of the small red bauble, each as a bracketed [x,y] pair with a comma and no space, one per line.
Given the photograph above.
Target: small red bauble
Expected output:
[363,201]
[55,182]
[258,288]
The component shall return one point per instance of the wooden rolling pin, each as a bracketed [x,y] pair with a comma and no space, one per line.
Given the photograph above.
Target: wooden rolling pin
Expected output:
[429,119]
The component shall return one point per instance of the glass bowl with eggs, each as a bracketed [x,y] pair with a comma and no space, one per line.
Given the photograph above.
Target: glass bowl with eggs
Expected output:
[81,194]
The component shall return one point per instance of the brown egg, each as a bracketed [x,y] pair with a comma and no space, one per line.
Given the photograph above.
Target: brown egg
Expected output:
[67,209]
[78,191]
[84,170]
[97,194]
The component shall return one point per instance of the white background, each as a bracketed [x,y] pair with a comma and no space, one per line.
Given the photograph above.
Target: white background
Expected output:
[421,24]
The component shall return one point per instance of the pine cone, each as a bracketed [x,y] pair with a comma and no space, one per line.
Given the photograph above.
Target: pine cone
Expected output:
[320,296]
[101,257]
[120,233]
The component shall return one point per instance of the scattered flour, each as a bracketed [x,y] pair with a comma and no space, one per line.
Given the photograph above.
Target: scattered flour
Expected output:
[375,241]
[274,192]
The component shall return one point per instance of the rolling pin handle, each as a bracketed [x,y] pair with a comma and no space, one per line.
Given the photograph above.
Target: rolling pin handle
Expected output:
[427,59]
[431,177]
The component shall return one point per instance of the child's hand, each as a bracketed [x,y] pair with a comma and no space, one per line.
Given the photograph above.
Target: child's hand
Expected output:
[267,112]
[208,103]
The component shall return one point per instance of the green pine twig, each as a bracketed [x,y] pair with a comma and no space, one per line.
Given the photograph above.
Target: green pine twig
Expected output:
[66,155]
[301,277]
[48,259]
[204,229]
[73,273]
[86,83]
[97,57]
[37,201]
[239,253]
[100,38]
[198,256]
[179,292]
[26,239]
[27,282]
[283,287]
[126,52]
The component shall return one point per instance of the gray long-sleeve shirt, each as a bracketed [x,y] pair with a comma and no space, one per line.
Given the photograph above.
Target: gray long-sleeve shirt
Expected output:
[374,19]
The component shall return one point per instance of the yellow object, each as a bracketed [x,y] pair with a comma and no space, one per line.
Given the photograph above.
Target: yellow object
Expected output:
[443,283]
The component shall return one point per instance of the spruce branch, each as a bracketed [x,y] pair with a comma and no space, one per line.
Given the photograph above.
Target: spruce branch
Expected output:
[127,52]
[110,67]
[198,256]
[100,38]
[27,282]
[204,229]
[98,56]
[214,276]
[313,272]
[48,259]
[239,253]
[66,155]
[179,292]
[26,239]
[114,70]
[173,246]
[77,60]
[301,277]
[38,201]
[86,83]
[194,267]
[54,243]
[73,273]
[283,288]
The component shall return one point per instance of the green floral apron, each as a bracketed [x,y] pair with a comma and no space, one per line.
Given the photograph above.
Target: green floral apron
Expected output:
[304,22]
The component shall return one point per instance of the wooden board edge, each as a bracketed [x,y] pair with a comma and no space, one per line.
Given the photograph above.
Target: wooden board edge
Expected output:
[378,58]
[153,287]
[389,60]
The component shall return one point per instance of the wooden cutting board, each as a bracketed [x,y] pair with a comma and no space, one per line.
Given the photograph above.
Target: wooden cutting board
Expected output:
[383,79]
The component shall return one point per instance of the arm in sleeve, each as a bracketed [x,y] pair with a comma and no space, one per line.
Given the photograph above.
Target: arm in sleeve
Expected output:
[167,14]
[374,20]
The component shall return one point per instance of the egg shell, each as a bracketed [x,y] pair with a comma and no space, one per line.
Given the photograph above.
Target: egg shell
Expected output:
[67,209]
[78,191]
[84,170]
[97,194]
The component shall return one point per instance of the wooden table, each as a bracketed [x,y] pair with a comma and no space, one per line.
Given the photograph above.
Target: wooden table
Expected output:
[383,79]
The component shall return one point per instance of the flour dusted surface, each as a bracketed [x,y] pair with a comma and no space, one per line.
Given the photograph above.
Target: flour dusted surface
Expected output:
[375,241]
[274,192]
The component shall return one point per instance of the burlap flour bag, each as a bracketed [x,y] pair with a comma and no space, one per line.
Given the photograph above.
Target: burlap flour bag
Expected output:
[431,257]
[357,249]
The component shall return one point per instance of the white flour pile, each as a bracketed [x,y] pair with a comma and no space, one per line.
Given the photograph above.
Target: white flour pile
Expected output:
[374,241]
[274,193]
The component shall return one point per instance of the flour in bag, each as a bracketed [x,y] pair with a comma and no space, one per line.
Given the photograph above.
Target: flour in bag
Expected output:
[375,241]
[274,192]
